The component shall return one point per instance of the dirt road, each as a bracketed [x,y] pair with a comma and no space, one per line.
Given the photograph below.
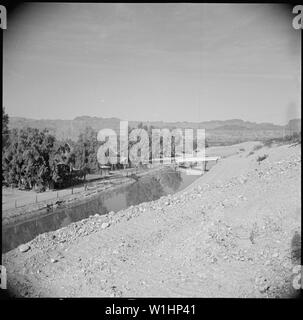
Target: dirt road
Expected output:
[233,233]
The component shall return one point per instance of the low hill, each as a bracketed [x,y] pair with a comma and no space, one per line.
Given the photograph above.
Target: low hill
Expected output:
[217,131]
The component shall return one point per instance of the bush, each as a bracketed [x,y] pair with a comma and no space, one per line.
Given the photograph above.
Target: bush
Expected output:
[261,158]
[292,138]
[242,149]
[268,143]
[257,147]
[251,153]
[40,189]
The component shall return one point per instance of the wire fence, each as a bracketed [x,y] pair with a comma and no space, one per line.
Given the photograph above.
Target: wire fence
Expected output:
[93,183]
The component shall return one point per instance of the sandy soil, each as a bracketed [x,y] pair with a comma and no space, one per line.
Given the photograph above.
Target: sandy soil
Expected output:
[233,233]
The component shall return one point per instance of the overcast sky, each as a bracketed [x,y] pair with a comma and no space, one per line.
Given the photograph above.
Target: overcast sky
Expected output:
[170,62]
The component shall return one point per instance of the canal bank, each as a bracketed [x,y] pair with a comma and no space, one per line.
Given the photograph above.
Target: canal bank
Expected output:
[199,242]
[129,192]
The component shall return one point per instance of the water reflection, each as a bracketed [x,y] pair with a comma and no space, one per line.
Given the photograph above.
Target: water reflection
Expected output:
[171,179]
[147,188]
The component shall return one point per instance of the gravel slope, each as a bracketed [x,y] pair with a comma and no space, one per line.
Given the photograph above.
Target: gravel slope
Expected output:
[233,233]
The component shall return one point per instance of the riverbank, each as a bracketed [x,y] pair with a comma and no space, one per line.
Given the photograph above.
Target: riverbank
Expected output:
[31,204]
[68,197]
[231,233]
[19,204]
[149,187]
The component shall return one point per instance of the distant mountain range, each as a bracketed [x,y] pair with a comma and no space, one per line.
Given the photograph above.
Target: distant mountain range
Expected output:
[217,131]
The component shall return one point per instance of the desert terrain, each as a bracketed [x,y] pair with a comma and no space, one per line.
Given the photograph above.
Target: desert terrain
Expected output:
[234,232]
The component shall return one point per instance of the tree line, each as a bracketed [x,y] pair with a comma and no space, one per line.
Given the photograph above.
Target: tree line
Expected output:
[33,158]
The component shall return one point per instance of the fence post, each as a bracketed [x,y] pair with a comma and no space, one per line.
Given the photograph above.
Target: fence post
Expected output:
[36,198]
[15,203]
[57,194]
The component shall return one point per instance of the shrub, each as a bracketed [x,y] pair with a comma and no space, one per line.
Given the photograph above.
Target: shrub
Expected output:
[257,147]
[242,149]
[287,139]
[261,158]
[268,143]
[251,153]
[253,233]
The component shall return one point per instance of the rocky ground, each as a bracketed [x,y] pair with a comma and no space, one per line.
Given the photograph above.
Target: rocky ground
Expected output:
[235,232]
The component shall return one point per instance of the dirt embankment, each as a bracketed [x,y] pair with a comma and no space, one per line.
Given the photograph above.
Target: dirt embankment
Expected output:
[51,203]
[233,233]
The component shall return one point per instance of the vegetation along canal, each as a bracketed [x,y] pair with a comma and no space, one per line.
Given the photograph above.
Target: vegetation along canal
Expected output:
[148,188]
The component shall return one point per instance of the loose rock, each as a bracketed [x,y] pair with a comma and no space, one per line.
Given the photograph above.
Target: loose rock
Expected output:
[24,248]
[104,225]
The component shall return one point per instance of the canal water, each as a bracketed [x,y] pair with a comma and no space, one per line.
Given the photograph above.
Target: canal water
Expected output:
[148,188]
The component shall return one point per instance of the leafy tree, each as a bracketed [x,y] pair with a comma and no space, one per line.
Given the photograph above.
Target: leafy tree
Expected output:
[85,151]
[61,162]
[26,159]
[5,130]
[5,136]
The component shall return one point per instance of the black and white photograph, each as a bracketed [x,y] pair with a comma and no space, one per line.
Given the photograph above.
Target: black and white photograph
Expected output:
[151,150]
